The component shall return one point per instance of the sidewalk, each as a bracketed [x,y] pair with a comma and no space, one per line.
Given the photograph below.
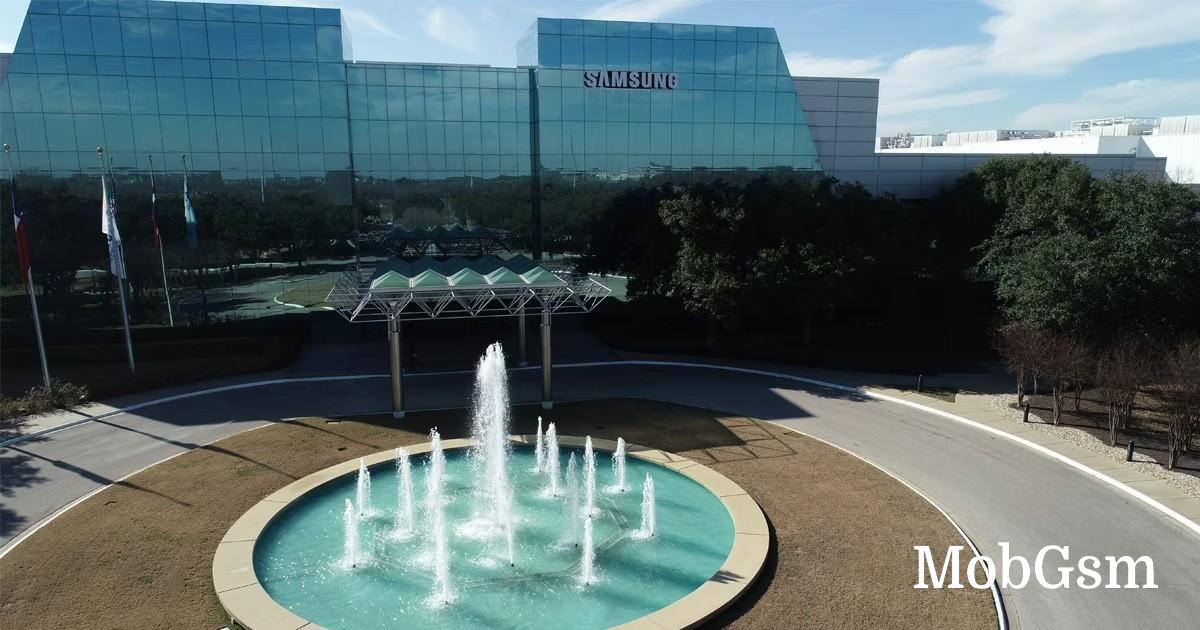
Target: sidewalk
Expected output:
[20,429]
[980,408]
[973,402]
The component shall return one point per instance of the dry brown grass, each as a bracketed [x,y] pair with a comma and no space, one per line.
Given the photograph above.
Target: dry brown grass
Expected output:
[139,553]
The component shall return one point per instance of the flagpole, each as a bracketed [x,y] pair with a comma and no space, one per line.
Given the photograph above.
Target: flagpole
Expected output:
[37,319]
[120,281]
[262,172]
[193,239]
[37,329]
[162,257]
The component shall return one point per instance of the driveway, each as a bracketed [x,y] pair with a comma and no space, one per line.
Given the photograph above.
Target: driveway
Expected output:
[997,490]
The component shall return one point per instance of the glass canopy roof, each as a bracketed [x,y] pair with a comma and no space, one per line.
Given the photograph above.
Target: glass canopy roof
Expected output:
[456,287]
[487,271]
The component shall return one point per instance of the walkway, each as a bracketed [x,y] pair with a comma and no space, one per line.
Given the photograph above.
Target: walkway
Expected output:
[996,489]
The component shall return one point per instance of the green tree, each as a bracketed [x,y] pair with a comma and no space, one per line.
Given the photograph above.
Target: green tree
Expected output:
[1075,256]
[760,255]
[63,230]
[951,226]
[628,238]
[244,226]
[709,277]
[304,224]
[1149,238]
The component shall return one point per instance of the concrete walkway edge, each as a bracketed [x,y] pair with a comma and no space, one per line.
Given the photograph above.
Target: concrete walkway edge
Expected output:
[1189,523]
[1002,621]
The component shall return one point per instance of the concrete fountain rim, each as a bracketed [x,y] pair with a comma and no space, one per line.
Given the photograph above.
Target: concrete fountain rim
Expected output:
[247,603]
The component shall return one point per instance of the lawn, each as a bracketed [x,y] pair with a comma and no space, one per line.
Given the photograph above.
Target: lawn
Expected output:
[140,552]
[308,293]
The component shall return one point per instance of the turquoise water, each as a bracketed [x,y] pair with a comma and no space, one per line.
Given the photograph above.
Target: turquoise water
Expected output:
[296,558]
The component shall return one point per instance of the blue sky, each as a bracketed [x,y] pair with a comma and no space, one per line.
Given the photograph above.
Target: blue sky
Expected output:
[944,64]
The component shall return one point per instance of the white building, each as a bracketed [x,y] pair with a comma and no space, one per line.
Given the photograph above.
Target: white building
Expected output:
[1168,148]
[842,115]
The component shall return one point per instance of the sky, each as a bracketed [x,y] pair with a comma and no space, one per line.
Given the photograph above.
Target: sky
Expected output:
[942,64]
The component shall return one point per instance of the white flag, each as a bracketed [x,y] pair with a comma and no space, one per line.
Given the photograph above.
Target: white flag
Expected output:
[189,217]
[108,226]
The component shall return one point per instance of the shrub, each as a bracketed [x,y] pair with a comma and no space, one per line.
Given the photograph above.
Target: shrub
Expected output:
[1121,371]
[41,399]
[1182,395]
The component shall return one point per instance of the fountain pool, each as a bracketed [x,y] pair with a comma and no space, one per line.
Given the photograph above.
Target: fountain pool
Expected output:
[500,540]
[298,557]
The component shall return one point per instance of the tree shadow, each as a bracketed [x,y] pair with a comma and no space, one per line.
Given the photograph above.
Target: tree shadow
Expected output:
[1147,442]
[16,471]
[192,446]
[100,480]
[727,577]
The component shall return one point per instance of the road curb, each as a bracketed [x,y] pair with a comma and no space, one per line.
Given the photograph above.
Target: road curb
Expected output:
[1186,522]
[1137,494]
[275,299]
[1002,621]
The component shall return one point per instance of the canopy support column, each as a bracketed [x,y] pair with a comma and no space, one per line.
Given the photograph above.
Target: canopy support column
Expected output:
[522,360]
[547,362]
[396,360]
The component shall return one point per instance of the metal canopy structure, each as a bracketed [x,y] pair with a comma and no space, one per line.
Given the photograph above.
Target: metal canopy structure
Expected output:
[455,288]
[458,287]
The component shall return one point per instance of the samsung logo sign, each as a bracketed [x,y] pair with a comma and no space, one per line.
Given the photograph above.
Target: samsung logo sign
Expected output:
[630,79]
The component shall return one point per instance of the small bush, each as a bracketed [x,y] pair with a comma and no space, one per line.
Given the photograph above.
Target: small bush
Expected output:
[41,399]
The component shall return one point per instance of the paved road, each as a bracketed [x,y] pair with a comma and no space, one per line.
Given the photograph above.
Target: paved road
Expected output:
[997,490]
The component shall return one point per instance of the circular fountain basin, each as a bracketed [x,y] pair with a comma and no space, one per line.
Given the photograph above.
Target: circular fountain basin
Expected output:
[280,565]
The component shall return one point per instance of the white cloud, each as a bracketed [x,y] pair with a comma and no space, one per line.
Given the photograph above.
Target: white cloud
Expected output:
[354,17]
[359,16]
[810,65]
[927,70]
[943,101]
[1040,37]
[1026,38]
[6,46]
[1139,97]
[451,27]
[639,10]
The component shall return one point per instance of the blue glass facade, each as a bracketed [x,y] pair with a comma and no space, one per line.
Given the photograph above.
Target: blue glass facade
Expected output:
[244,91]
[732,105]
[263,98]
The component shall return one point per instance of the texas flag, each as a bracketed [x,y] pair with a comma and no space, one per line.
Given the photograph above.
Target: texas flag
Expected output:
[22,241]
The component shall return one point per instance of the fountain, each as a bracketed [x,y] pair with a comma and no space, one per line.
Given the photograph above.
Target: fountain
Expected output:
[352,554]
[537,449]
[618,465]
[489,430]
[589,478]
[550,465]
[436,522]
[462,515]
[403,522]
[588,555]
[649,521]
[571,515]
[362,491]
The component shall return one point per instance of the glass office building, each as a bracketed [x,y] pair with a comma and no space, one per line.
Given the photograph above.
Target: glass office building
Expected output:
[264,103]
[728,101]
